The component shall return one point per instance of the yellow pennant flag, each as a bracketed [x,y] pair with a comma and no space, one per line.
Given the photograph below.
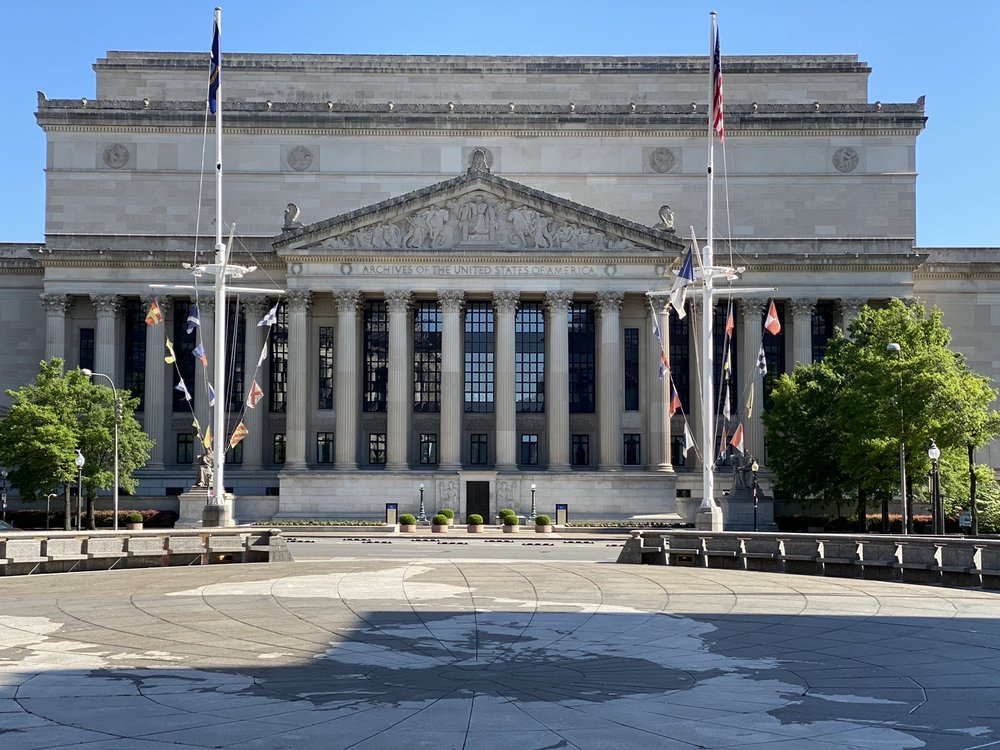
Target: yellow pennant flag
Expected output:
[239,433]
[171,358]
[196,425]
[750,402]
[207,442]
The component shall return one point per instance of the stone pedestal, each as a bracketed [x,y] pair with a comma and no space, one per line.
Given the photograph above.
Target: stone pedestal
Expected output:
[194,512]
[709,519]
[738,511]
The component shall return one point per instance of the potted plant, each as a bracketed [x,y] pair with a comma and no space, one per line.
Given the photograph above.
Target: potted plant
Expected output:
[449,514]
[407,523]
[475,523]
[506,512]
[510,523]
[543,524]
[439,524]
[134,519]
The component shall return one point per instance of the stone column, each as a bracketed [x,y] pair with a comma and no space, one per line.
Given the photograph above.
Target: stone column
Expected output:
[658,456]
[750,332]
[55,306]
[609,407]
[105,337]
[254,307]
[154,397]
[847,310]
[557,379]
[296,409]
[206,335]
[348,380]
[505,393]
[695,323]
[452,372]
[802,312]
[399,403]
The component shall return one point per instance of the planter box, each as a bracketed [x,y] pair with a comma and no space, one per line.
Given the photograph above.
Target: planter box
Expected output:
[407,528]
[475,528]
[510,529]
[439,529]
[543,529]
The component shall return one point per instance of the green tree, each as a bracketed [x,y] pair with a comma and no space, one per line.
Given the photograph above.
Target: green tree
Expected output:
[836,426]
[59,413]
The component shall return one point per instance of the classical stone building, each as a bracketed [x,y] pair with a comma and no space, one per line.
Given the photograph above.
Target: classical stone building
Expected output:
[462,248]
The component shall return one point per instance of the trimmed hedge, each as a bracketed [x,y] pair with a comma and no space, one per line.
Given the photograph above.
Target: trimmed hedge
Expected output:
[447,513]
[474,519]
[440,520]
[103,519]
[543,520]
[408,519]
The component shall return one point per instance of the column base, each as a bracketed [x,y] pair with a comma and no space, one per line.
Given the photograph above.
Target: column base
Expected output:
[665,468]
[609,468]
[215,516]
[346,467]
[709,519]
[562,468]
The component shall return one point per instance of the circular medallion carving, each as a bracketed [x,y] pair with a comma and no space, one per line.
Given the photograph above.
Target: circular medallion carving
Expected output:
[845,159]
[295,269]
[662,160]
[299,158]
[346,269]
[116,155]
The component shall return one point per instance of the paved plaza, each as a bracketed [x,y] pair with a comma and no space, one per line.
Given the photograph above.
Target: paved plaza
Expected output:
[533,653]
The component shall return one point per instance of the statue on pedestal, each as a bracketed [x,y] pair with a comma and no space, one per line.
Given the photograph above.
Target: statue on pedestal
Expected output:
[205,471]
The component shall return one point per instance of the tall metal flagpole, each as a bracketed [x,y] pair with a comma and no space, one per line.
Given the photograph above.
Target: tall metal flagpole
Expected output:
[709,513]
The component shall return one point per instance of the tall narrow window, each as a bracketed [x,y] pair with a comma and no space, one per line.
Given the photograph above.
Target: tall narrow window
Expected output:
[135,350]
[529,357]
[427,357]
[529,449]
[279,361]
[822,329]
[679,360]
[235,455]
[478,449]
[630,349]
[87,348]
[580,450]
[325,367]
[278,448]
[324,447]
[479,357]
[428,448]
[235,355]
[376,322]
[582,358]
[376,448]
[631,449]
[185,448]
[184,344]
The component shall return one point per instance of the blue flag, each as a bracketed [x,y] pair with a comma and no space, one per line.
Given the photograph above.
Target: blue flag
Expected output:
[215,73]
[679,290]
[271,318]
[193,320]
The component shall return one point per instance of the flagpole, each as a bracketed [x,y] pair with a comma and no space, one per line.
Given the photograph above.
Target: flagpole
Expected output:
[218,497]
[709,513]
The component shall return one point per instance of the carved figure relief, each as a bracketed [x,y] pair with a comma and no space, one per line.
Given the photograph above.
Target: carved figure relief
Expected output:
[505,492]
[662,160]
[427,228]
[479,220]
[116,156]
[845,159]
[447,492]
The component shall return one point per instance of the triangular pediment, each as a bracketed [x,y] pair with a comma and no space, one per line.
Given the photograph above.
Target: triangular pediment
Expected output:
[476,212]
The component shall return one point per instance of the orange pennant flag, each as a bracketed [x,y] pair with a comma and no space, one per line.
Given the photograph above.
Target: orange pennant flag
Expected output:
[154,315]
[771,322]
[239,433]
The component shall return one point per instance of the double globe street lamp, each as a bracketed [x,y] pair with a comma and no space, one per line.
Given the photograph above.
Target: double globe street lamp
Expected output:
[937,508]
[114,391]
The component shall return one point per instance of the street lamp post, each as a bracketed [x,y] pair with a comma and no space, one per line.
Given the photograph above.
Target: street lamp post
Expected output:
[3,493]
[894,347]
[754,467]
[114,391]
[48,501]
[532,500]
[422,515]
[80,461]
[934,453]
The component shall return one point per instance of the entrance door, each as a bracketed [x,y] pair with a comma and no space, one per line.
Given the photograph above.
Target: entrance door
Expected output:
[477,499]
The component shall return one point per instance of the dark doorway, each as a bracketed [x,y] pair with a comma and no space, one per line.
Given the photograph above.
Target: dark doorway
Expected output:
[477,499]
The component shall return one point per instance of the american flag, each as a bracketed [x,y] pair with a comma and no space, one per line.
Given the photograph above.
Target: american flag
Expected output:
[717,123]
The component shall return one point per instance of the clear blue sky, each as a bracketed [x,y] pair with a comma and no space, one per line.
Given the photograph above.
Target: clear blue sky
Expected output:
[947,51]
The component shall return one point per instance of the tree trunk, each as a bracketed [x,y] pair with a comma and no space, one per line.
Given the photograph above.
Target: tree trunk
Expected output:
[68,514]
[862,511]
[91,523]
[885,514]
[974,514]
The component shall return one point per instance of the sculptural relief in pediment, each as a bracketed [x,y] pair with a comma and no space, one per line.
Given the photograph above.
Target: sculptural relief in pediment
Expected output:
[478,220]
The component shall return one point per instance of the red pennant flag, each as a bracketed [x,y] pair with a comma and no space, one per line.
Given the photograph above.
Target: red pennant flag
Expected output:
[255,395]
[771,323]
[730,324]
[737,441]
[239,433]
[723,441]
[154,315]
[675,402]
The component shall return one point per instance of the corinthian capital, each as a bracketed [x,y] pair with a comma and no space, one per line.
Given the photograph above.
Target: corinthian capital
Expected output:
[55,303]
[505,301]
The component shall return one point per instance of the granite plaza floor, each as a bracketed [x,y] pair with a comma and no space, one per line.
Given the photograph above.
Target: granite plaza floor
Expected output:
[532,654]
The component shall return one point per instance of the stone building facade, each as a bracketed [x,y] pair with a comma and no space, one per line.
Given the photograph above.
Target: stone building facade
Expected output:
[462,248]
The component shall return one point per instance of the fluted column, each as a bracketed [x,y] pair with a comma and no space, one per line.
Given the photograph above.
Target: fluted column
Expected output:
[399,403]
[105,354]
[452,391]
[206,334]
[695,322]
[347,397]
[505,393]
[156,401]
[610,406]
[298,357]
[557,379]
[802,312]
[55,306]
[658,456]
[254,308]
[847,310]
[751,327]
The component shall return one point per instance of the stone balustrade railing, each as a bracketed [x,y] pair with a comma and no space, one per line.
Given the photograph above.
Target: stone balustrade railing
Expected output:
[944,560]
[26,552]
